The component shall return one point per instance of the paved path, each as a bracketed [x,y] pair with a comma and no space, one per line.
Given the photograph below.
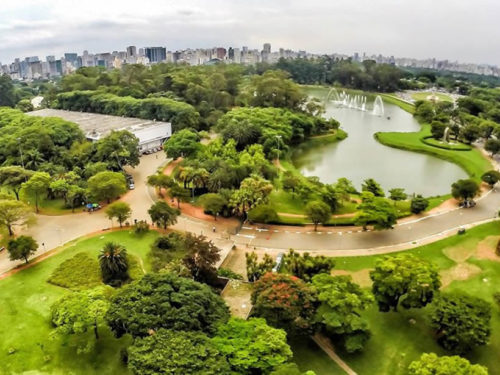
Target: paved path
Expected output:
[327,347]
[53,231]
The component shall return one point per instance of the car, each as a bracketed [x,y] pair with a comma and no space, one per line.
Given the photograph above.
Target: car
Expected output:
[131,186]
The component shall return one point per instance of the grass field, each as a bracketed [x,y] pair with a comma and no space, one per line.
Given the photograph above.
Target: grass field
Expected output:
[424,96]
[25,309]
[473,162]
[466,263]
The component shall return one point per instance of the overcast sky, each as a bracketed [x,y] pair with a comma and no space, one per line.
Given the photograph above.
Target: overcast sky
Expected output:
[464,30]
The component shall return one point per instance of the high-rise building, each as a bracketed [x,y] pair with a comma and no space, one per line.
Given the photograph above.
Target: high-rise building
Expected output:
[156,54]
[221,53]
[131,51]
[267,47]
[72,58]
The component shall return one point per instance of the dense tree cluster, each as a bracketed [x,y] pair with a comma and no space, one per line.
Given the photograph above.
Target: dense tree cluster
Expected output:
[368,76]
[180,114]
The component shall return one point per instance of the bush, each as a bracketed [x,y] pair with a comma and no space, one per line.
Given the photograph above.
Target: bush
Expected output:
[79,272]
[141,227]
[230,274]
[497,250]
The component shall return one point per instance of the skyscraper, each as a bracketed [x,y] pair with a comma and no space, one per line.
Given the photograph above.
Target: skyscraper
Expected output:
[156,54]
[131,51]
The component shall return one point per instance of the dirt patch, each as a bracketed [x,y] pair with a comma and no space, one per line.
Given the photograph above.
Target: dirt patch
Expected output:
[361,277]
[460,254]
[486,248]
[237,295]
[460,272]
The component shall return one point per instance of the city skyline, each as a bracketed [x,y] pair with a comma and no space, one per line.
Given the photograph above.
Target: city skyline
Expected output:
[446,30]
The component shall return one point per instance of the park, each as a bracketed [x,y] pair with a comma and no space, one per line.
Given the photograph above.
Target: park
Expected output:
[354,180]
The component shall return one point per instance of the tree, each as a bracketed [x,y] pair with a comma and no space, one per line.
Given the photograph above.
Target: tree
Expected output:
[256,269]
[470,133]
[119,148]
[331,197]
[107,185]
[37,185]
[179,193]
[114,264]
[25,105]
[341,305]
[397,194]
[491,177]
[404,280]
[290,369]
[437,129]
[76,195]
[306,266]
[290,182]
[251,346]
[419,204]
[13,177]
[377,211]
[14,213]
[22,247]
[169,352]
[80,312]
[373,187]
[119,210]
[163,215]
[492,145]
[263,214]
[318,212]
[182,143]
[431,364]
[462,322]
[201,257]
[464,189]
[160,181]
[59,188]
[7,92]
[213,203]
[284,301]
[254,190]
[164,300]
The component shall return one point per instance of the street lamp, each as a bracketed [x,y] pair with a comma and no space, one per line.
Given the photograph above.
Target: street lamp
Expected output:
[20,151]
[278,139]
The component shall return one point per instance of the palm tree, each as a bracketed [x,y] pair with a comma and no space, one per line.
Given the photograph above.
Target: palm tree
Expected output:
[114,264]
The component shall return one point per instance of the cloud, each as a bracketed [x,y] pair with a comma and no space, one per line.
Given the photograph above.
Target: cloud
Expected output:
[453,29]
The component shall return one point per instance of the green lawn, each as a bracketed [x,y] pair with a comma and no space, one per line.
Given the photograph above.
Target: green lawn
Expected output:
[309,356]
[399,338]
[25,309]
[424,95]
[473,162]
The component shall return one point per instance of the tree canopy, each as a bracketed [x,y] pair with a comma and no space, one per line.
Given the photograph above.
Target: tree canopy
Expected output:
[432,364]
[404,280]
[251,346]
[167,301]
[176,352]
[462,322]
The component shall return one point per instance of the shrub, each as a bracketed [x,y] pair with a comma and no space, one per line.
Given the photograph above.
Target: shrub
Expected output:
[79,272]
[230,274]
[497,250]
[141,227]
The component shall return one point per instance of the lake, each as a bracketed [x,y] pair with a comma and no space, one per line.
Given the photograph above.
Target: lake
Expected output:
[360,156]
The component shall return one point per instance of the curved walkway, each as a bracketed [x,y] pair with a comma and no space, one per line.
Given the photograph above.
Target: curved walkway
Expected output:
[53,231]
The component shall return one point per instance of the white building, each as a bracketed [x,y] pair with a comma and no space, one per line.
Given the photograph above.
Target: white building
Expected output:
[151,134]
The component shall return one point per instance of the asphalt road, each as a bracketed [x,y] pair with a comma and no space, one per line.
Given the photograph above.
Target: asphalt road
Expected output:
[54,231]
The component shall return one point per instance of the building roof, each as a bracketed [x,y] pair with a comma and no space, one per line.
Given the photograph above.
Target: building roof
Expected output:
[96,126]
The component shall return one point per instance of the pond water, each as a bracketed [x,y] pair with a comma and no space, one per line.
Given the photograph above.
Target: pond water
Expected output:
[360,156]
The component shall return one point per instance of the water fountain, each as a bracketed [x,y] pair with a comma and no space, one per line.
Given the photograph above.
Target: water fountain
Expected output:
[343,99]
[378,106]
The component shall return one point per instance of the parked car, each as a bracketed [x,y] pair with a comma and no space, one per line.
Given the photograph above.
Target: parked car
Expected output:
[131,185]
